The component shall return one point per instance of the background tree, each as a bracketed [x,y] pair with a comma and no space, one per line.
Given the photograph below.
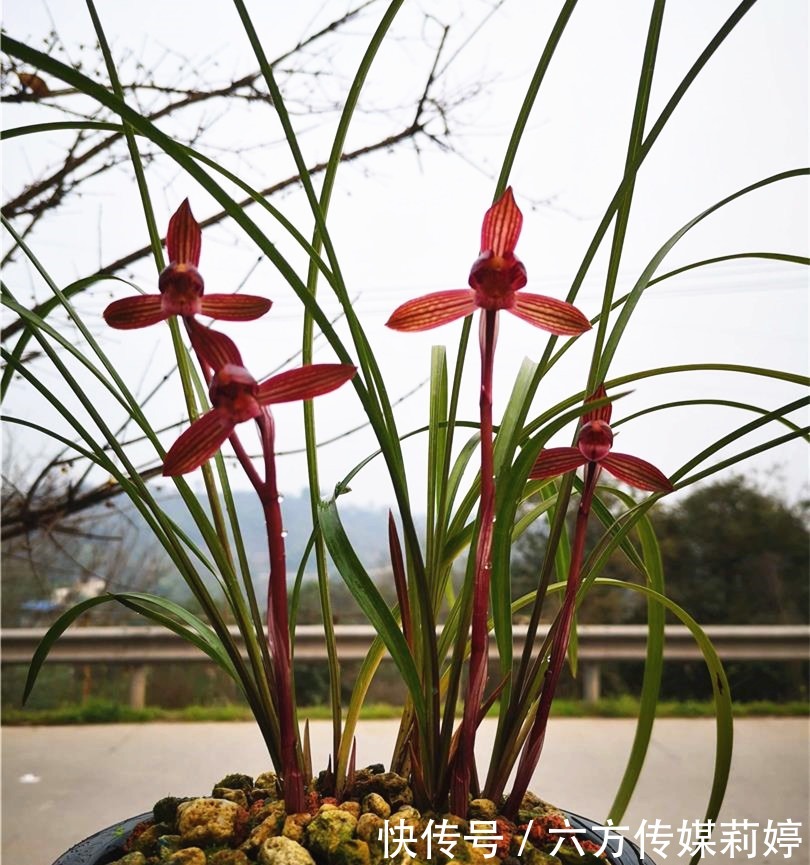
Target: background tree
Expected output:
[735,554]
[198,99]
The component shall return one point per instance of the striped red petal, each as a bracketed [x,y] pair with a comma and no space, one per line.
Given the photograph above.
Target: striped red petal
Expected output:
[214,347]
[198,443]
[234,307]
[131,312]
[184,237]
[502,224]
[602,413]
[433,310]
[637,472]
[304,383]
[548,313]
[556,461]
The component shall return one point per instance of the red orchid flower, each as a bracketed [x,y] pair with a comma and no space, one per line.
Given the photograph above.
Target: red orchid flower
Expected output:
[594,446]
[495,280]
[236,397]
[181,286]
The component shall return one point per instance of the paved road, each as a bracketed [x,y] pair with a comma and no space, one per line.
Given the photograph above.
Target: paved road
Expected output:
[120,770]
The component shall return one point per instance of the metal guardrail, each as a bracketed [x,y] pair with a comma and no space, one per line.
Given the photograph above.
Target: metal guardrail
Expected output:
[141,646]
[155,645]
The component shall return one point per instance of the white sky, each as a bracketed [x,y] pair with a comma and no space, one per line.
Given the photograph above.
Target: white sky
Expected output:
[404,225]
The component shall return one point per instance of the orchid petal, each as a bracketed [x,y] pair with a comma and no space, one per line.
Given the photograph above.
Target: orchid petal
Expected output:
[139,311]
[234,307]
[305,382]
[184,238]
[432,310]
[548,313]
[637,472]
[556,461]
[502,224]
[214,347]
[198,443]
[603,413]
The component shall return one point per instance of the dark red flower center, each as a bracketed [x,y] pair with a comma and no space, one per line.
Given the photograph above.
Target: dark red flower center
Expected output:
[595,440]
[495,279]
[181,287]
[234,390]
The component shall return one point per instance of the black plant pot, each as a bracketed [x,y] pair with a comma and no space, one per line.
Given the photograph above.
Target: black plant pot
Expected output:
[103,847]
[108,845]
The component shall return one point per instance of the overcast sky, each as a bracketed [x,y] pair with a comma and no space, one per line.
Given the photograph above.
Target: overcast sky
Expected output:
[405,223]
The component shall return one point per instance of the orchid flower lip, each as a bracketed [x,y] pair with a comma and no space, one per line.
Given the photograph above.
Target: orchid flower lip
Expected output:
[235,391]
[181,277]
[595,440]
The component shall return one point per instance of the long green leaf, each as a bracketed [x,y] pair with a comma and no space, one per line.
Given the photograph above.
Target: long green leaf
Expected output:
[653,667]
[618,381]
[436,460]
[745,429]
[684,403]
[631,170]
[630,173]
[59,126]
[735,256]
[371,602]
[720,689]
[501,589]
[159,609]
[182,622]
[43,310]
[531,94]
[643,281]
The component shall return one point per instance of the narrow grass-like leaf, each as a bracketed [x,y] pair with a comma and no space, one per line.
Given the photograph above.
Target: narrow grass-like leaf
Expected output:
[361,685]
[639,121]
[643,151]
[643,281]
[436,459]
[653,667]
[736,256]
[738,433]
[59,126]
[531,95]
[182,622]
[501,589]
[52,635]
[802,432]
[685,403]
[720,690]
[371,602]
[43,310]
[159,609]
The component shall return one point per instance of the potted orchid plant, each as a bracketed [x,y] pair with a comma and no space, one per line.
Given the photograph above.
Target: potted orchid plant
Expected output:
[488,480]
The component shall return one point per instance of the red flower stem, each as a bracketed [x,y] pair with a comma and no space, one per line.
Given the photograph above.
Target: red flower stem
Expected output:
[463,765]
[278,628]
[253,476]
[245,461]
[559,650]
